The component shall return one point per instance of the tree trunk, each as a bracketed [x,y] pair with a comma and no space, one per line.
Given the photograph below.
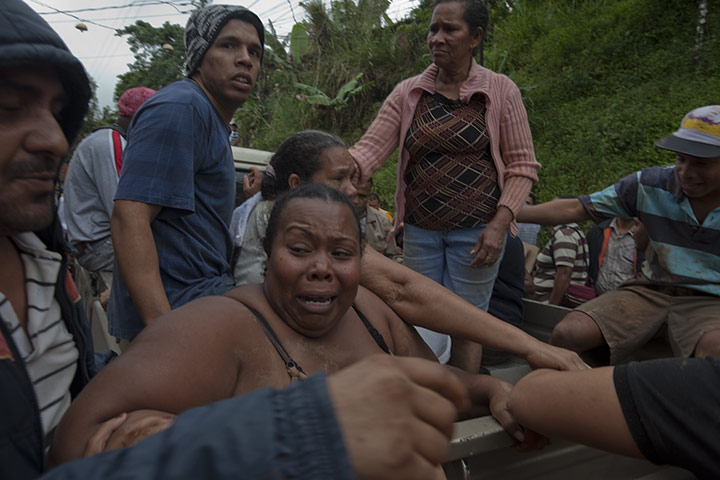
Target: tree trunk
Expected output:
[700,29]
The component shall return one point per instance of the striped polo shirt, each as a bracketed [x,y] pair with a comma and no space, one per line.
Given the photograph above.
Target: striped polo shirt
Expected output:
[684,251]
[48,349]
[567,248]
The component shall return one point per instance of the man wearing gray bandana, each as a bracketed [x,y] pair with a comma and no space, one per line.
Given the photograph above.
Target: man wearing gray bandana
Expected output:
[176,191]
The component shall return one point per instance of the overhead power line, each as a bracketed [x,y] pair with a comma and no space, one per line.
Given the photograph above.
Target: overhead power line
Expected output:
[71,15]
[134,17]
[114,7]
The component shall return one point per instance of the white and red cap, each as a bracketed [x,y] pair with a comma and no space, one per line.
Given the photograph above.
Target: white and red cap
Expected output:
[698,135]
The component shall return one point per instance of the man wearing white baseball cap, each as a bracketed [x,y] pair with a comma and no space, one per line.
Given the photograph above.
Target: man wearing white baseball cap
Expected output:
[698,135]
[679,289]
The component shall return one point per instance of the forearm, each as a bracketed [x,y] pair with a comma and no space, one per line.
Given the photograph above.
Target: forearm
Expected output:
[422,302]
[137,259]
[502,219]
[555,212]
[243,437]
[578,406]
[381,137]
[518,155]
[517,187]
[560,285]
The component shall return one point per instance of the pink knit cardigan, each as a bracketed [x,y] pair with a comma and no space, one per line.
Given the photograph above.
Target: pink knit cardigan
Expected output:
[510,139]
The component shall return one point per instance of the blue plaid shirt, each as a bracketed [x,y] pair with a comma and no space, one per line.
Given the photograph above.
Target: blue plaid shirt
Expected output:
[178,157]
[684,251]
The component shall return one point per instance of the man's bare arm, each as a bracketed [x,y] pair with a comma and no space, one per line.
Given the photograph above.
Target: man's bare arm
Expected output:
[420,301]
[137,257]
[554,212]
[560,285]
[578,406]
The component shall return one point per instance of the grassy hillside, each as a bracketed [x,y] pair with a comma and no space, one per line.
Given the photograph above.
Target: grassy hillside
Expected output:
[603,80]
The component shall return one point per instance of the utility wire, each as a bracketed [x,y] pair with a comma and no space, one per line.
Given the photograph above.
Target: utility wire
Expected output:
[114,7]
[71,15]
[110,19]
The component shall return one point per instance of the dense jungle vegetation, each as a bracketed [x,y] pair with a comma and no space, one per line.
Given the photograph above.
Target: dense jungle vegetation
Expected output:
[601,79]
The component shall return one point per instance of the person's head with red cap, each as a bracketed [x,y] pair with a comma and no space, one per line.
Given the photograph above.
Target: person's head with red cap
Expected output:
[130,102]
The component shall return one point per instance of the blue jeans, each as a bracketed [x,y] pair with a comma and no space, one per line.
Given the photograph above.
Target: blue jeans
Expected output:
[444,256]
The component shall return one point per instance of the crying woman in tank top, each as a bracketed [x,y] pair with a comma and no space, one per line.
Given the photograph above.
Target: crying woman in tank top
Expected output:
[309,315]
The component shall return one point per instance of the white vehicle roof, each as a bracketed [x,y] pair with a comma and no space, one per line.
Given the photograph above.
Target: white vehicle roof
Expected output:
[249,157]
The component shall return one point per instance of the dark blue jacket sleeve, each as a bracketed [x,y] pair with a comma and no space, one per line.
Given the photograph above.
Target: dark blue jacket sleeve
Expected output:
[270,434]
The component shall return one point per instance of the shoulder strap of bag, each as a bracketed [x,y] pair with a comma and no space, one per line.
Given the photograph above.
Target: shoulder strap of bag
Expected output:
[606,239]
[117,148]
[117,132]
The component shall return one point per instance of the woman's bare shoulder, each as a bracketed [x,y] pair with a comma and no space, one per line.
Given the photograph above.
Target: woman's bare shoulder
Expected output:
[402,338]
[365,297]
[245,294]
[206,319]
[377,312]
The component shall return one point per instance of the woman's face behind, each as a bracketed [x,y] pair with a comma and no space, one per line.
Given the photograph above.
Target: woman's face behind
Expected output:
[449,39]
[337,171]
[314,266]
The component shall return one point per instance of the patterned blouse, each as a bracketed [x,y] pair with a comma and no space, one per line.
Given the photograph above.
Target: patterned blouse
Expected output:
[451,178]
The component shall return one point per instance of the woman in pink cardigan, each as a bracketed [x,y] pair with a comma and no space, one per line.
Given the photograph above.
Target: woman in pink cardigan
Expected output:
[466,164]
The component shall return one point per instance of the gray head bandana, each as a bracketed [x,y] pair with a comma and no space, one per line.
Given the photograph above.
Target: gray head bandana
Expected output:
[204,26]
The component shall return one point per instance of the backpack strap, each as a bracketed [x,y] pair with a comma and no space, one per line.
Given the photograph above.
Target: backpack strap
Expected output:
[606,240]
[117,132]
[117,148]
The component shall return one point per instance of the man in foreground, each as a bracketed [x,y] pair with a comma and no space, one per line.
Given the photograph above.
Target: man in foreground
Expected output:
[680,284]
[382,418]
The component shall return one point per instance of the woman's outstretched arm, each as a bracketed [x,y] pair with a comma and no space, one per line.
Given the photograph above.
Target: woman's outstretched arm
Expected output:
[422,302]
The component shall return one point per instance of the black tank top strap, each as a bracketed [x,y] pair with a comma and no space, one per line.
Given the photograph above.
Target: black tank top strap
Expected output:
[293,369]
[373,331]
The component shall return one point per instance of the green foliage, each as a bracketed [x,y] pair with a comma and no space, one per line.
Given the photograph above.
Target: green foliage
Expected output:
[315,96]
[299,42]
[384,183]
[610,78]
[159,56]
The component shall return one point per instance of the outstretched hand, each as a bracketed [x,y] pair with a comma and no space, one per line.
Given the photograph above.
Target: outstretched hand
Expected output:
[396,415]
[548,356]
